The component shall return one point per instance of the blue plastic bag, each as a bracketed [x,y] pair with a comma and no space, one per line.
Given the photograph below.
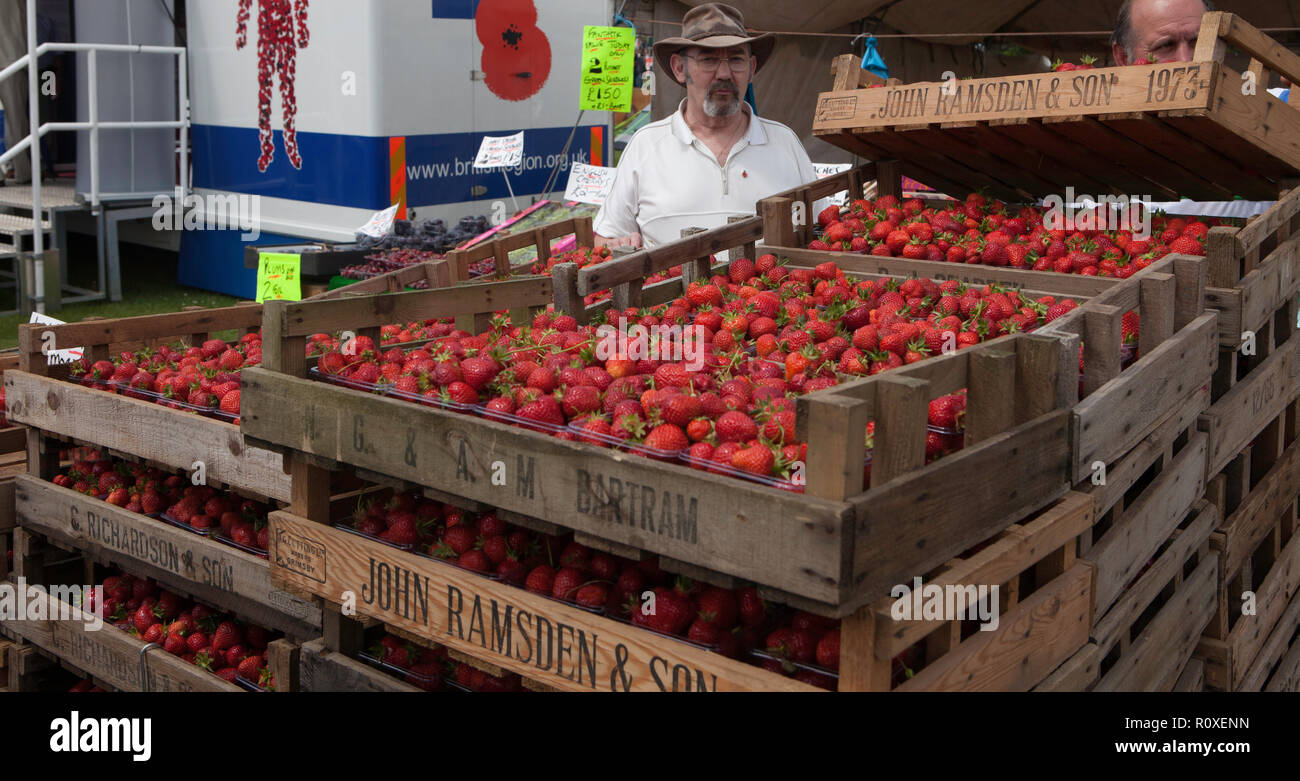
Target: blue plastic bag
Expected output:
[872,61]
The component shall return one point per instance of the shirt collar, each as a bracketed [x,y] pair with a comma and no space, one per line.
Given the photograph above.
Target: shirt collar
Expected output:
[682,132]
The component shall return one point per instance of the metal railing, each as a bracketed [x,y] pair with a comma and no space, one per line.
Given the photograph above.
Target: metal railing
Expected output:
[94,125]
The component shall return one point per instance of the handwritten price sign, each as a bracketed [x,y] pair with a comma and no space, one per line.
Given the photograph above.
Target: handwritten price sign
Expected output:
[279,277]
[608,68]
[501,151]
[589,184]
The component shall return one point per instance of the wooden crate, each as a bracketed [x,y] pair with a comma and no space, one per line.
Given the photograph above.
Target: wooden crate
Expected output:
[1045,612]
[1259,553]
[1165,130]
[1257,407]
[191,564]
[829,548]
[1144,641]
[1254,274]
[499,247]
[111,655]
[1115,408]
[39,397]
[500,624]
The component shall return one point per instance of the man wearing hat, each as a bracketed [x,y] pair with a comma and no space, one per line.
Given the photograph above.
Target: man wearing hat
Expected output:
[713,158]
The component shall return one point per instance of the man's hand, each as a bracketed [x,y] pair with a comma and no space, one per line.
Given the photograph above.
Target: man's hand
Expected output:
[633,241]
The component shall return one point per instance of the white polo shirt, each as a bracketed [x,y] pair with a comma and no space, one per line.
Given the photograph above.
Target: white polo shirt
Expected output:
[668,180]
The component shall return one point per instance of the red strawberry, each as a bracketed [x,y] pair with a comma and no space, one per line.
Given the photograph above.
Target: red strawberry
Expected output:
[250,668]
[541,580]
[828,650]
[718,606]
[566,584]
[753,610]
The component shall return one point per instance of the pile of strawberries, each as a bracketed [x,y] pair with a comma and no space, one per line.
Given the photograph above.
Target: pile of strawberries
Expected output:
[764,334]
[200,378]
[151,491]
[198,634]
[85,685]
[989,232]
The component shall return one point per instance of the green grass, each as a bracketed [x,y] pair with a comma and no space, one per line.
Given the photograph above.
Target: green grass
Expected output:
[148,287]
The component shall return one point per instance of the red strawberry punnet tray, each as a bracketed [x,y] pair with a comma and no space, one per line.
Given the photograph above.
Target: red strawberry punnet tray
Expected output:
[426,682]
[349,526]
[224,540]
[165,518]
[595,437]
[386,389]
[124,388]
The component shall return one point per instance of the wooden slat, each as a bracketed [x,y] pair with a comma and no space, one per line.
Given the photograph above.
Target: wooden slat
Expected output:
[955,513]
[555,643]
[1260,120]
[1031,641]
[642,264]
[1100,91]
[1041,140]
[1112,420]
[1167,642]
[1240,414]
[1147,523]
[187,562]
[1076,674]
[1167,142]
[1118,620]
[1238,32]
[1270,654]
[303,319]
[144,327]
[1017,551]
[172,437]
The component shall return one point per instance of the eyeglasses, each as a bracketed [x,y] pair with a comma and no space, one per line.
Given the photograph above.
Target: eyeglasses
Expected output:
[709,63]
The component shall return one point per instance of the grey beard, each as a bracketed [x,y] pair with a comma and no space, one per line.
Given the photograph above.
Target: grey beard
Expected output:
[714,110]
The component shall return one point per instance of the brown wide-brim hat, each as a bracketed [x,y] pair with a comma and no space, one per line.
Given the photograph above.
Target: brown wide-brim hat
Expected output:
[713,26]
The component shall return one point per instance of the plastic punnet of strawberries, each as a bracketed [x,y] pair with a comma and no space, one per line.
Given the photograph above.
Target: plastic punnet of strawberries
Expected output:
[197,633]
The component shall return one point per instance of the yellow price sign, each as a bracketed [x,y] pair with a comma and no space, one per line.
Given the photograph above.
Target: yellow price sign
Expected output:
[608,68]
[279,277]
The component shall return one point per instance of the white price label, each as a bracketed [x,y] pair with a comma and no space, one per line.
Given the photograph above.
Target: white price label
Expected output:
[501,151]
[589,184]
[381,224]
[824,170]
[55,357]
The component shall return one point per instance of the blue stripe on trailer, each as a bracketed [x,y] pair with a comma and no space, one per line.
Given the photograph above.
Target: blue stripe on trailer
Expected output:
[336,169]
[454,9]
[353,171]
[214,260]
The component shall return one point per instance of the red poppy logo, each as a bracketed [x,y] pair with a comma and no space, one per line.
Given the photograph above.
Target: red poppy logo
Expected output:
[516,53]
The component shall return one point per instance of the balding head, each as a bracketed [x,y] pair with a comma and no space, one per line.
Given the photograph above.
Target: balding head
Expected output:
[1163,30]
